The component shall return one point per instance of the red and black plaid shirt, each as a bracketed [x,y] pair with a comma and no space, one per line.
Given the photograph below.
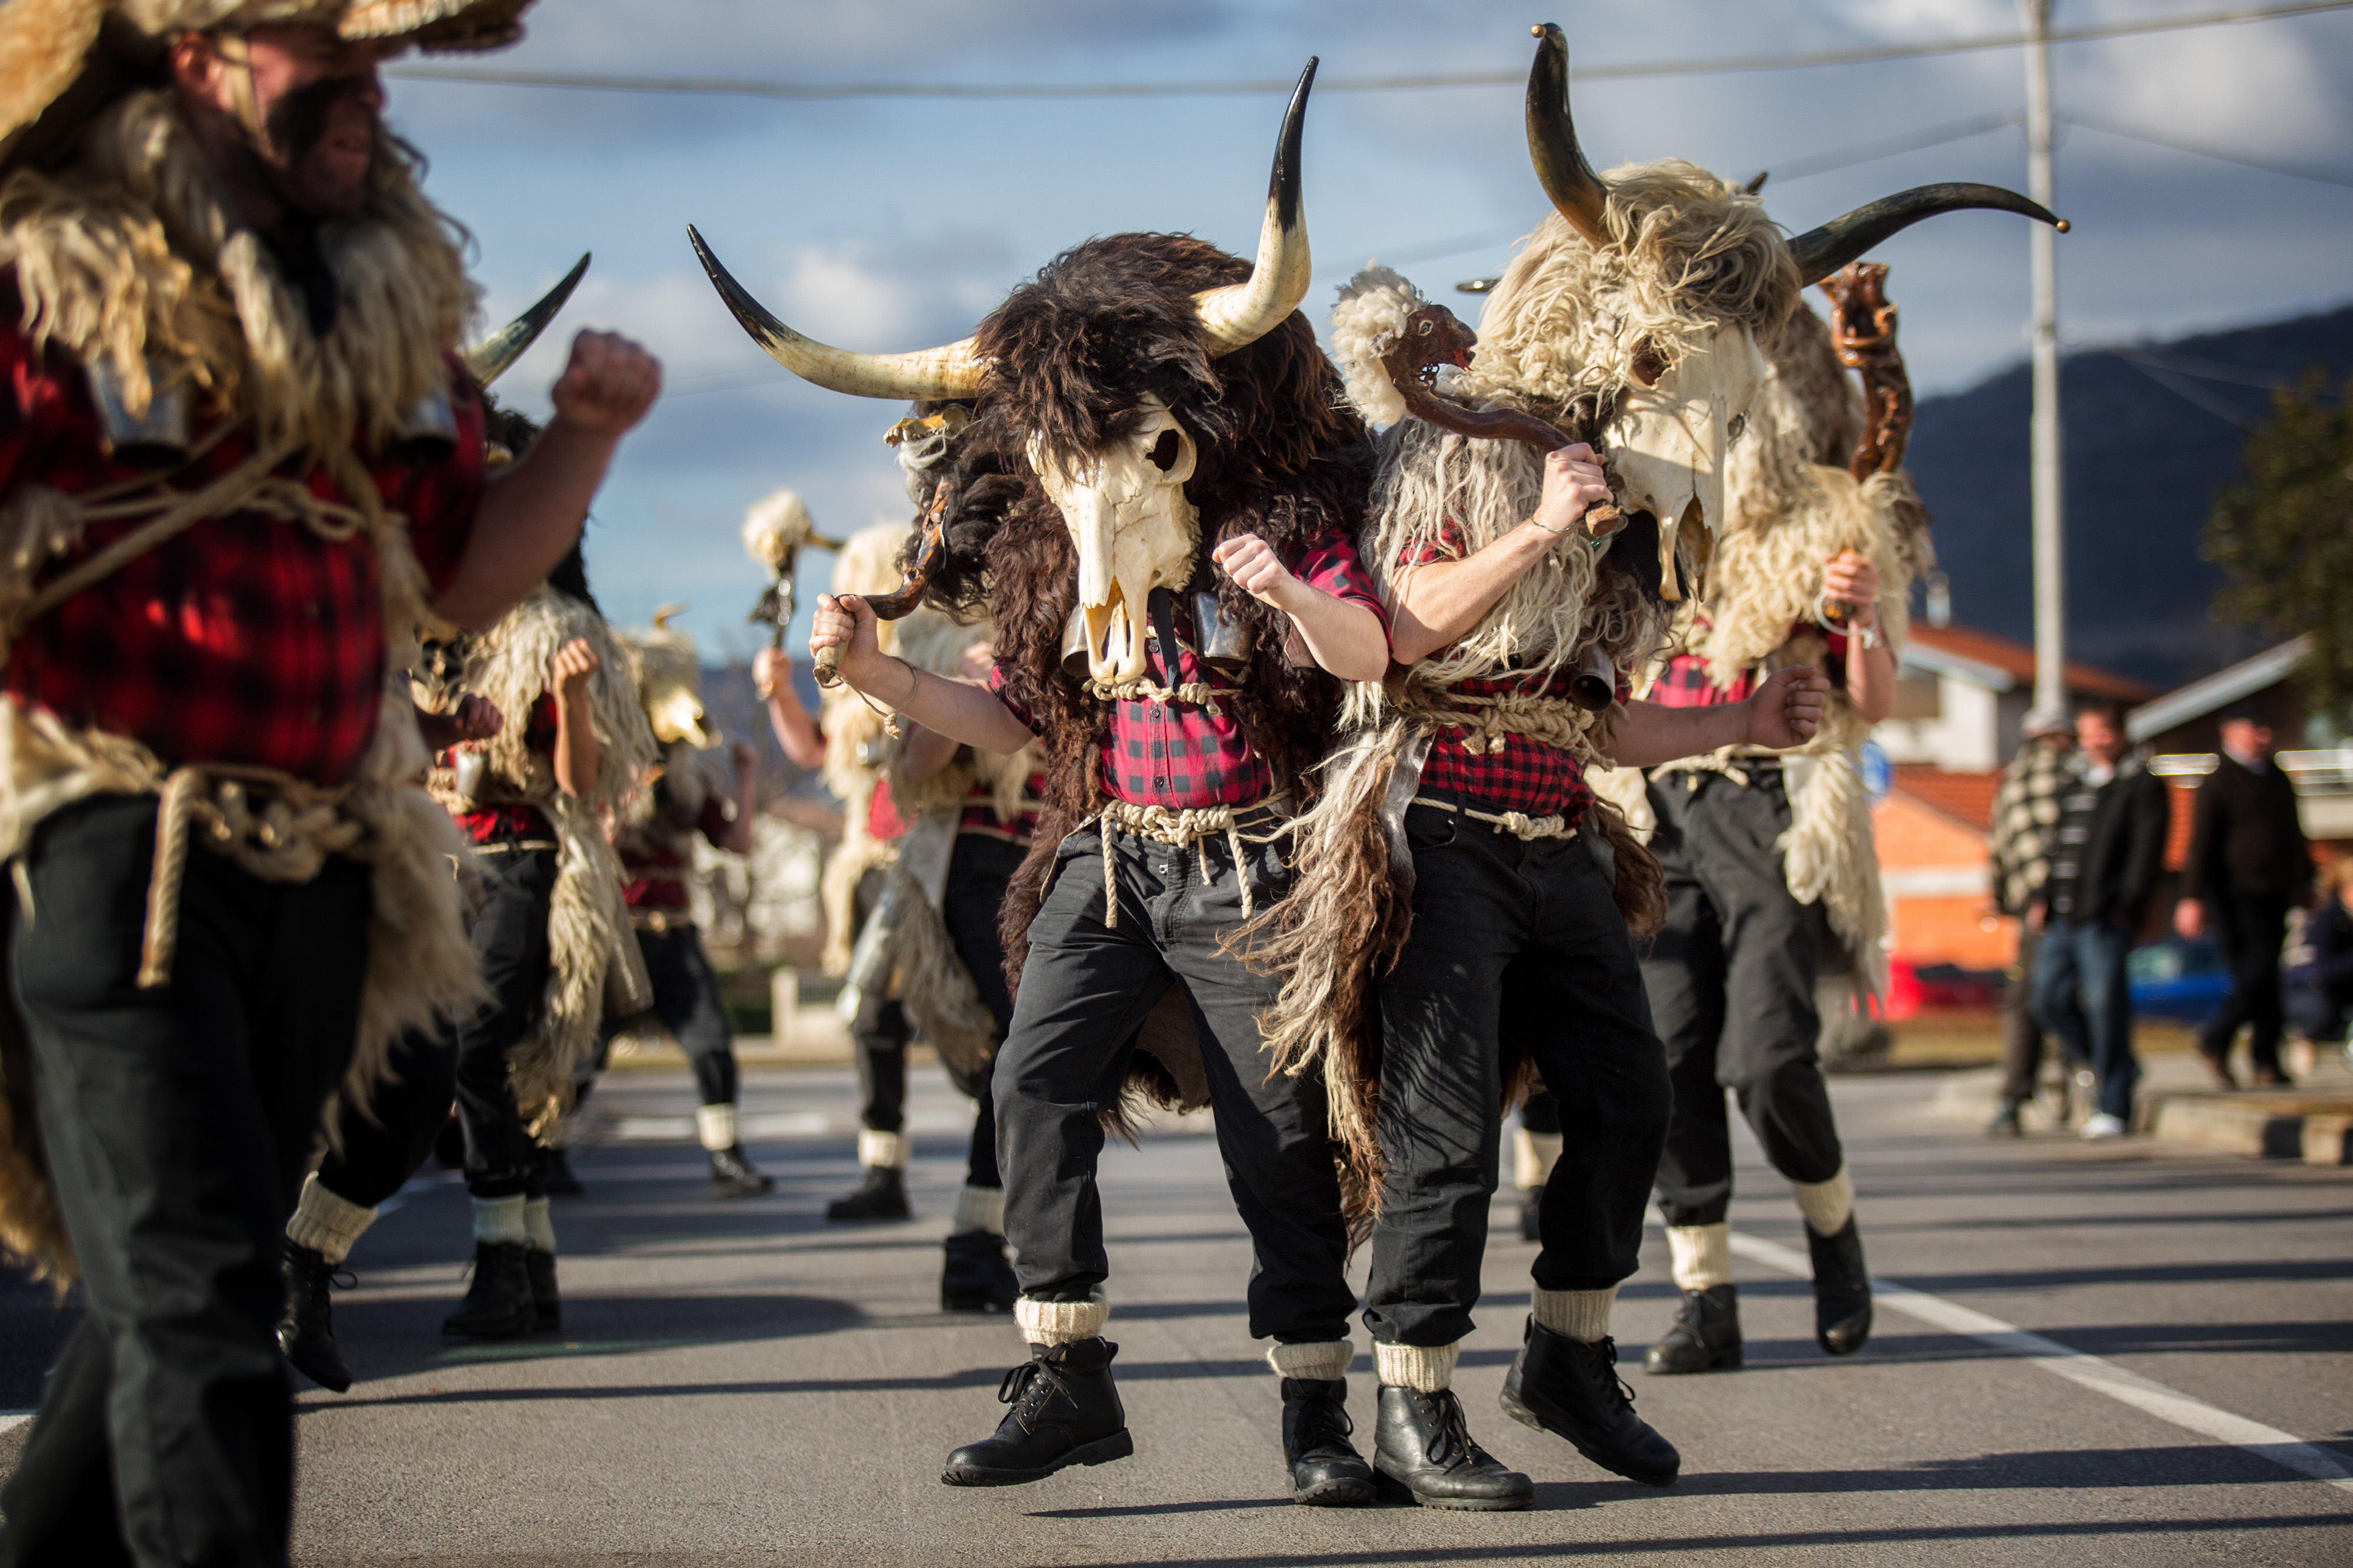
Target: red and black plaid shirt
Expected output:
[1522,775]
[980,813]
[1176,755]
[246,640]
[1685,683]
[514,819]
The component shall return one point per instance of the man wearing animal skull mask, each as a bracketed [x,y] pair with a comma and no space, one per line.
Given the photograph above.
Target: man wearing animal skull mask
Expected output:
[1465,925]
[1161,544]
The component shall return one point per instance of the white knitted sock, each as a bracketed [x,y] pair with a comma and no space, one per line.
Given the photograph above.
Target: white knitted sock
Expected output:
[979,1208]
[1060,1322]
[888,1150]
[1534,1154]
[1322,1360]
[1826,1205]
[1581,1315]
[715,1125]
[325,1223]
[538,1225]
[1700,1256]
[1426,1367]
[500,1219]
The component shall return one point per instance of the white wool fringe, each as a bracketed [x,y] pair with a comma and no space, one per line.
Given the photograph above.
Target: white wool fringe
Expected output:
[539,1224]
[1826,1205]
[884,1150]
[979,1208]
[776,525]
[1324,1360]
[326,1222]
[1579,1315]
[1428,1368]
[497,1220]
[1060,1322]
[1700,1256]
[1366,324]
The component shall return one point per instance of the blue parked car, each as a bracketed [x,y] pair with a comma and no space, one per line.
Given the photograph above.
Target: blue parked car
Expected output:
[2176,979]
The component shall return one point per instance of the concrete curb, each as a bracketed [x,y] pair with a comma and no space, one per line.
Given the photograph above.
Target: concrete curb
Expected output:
[2315,1126]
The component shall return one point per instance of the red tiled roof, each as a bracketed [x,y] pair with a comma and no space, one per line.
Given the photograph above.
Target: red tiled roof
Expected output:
[2017,660]
[1964,797]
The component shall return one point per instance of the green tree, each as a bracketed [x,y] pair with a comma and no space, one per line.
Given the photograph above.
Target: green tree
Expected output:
[2285,533]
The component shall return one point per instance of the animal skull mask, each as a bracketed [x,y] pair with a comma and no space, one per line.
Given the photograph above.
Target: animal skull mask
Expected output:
[1134,530]
[1670,442]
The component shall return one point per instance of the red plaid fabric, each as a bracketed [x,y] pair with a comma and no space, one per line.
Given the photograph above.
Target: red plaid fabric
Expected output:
[883,822]
[514,819]
[1685,682]
[980,813]
[655,878]
[1176,755]
[1523,776]
[245,639]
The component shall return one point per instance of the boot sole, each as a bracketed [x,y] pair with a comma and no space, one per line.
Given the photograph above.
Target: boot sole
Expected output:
[1520,1412]
[1102,1451]
[1388,1486]
[1342,1493]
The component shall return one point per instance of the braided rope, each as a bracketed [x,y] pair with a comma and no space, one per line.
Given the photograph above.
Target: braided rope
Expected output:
[1144,688]
[1518,824]
[1183,826]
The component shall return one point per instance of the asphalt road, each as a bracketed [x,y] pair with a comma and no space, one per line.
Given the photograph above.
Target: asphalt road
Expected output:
[742,1383]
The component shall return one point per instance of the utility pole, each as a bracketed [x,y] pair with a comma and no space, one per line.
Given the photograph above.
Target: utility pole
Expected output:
[2049,497]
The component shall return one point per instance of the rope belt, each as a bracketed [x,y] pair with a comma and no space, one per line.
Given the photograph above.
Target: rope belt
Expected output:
[1486,722]
[1726,763]
[1194,826]
[1518,824]
[1144,688]
[278,828]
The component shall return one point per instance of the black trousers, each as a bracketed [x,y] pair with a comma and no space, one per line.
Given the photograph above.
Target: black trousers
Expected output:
[179,1122]
[2248,930]
[687,1001]
[978,874]
[1517,943]
[1731,979]
[1085,990]
[510,934]
[379,1150]
[877,1040]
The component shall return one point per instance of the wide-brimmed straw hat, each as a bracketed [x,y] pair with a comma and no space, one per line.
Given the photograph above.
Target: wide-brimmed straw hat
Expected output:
[62,61]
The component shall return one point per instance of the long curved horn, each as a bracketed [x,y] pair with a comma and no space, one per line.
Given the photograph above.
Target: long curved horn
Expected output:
[1576,190]
[1822,251]
[955,371]
[1241,313]
[495,355]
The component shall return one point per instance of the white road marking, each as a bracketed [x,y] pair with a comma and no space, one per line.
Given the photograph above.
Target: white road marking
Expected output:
[780,1124]
[11,1419]
[2094,1372]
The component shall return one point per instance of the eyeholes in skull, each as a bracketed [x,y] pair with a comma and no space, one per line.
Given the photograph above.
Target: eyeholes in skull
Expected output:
[1164,451]
[1649,362]
[1731,430]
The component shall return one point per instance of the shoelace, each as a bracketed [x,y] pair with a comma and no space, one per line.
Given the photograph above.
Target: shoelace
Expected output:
[1015,1389]
[319,1286]
[1323,1420]
[1603,1354]
[1451,1442]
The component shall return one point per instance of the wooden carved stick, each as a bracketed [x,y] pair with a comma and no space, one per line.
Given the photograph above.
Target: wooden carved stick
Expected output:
[898,605]
[1862,332]
[1435,336]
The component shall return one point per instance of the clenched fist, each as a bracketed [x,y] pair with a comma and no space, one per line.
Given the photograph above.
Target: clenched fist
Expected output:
[1788,708]
[569,671]
[608,384]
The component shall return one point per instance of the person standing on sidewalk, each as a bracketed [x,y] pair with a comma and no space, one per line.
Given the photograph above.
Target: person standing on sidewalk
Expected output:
[2248,866]
[2025,824]
[2109,849]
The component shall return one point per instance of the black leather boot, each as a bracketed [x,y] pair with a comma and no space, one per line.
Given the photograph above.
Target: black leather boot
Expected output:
[498,1304]
[1326,1471]
[307,1332]
[1065,1411]
[1706,1336]
[555,1175]
[881,1195]
[732,1175]
[1571,1388]
[1423,1453]
[1532,1214]
[976,1276]
[547,1305]
[1842,1290]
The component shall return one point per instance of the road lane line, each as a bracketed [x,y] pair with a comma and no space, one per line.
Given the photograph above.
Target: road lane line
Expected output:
[2094,1372]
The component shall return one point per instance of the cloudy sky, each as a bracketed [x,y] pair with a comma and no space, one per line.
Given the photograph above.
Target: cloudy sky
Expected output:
[882,224]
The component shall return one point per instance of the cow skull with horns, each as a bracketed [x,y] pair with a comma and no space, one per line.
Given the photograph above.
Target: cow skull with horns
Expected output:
[1122,496]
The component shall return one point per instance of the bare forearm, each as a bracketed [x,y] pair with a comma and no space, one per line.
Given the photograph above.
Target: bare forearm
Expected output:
[923,753]
[1346,639]
[795,729]
[578,753]
[1645,734]
[1441,601]
[1870,680]
[528,518]
[952,709]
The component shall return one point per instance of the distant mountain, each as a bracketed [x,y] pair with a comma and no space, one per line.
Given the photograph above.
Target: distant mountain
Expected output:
[2151,434]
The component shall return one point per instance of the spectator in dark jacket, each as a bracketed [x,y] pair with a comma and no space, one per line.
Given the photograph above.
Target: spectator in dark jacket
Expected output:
[2109,851]
[2248,866]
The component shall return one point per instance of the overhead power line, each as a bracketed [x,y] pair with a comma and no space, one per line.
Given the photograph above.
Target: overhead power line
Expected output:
[1725,65]
[2108,128]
